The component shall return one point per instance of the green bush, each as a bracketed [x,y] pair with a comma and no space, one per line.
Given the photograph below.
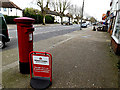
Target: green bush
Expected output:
[49,19]
[10,19]
[39,19]
[30,12]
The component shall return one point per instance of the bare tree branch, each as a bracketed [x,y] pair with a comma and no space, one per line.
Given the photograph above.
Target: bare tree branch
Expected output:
[43,9]
[61,6]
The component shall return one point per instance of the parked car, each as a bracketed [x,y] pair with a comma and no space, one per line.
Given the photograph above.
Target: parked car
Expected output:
[4,36]
[99,27]
[84,25]
[94,24]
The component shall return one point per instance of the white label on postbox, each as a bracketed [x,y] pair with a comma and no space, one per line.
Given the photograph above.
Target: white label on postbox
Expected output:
[30,37]
[41,60]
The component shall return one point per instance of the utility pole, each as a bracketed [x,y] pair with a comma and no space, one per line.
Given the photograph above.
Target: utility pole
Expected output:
[82,15]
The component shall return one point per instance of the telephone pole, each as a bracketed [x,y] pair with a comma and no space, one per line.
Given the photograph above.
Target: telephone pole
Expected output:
[82,15]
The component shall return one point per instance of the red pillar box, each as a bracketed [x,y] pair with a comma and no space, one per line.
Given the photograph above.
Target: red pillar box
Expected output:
[40,70]
[25,42]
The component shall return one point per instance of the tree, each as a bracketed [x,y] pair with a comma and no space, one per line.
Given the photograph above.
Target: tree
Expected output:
[78,13]
[36,14]
[70,12]
[61,6]
[44,9]
[75,11]
[30,11]
[93,20]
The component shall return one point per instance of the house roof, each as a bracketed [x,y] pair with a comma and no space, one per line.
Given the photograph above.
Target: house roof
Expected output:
[8,4]
[52,12]
[69,15]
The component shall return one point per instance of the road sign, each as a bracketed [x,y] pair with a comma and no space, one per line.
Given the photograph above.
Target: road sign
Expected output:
[40,69]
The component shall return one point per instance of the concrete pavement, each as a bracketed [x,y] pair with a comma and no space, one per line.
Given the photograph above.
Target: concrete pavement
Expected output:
[85,61]
[81,59]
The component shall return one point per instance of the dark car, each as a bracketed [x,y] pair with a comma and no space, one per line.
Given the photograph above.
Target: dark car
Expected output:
[4,37]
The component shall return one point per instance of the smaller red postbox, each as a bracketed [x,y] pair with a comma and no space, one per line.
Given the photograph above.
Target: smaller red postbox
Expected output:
[25,42]
[40,69]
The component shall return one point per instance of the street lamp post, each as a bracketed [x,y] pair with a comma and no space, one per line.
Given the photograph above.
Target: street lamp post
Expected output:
[82,15]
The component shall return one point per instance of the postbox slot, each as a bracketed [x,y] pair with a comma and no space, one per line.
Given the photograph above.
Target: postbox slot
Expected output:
[31,29]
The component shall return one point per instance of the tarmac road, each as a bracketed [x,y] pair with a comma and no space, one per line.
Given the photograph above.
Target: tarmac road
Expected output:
[40,33]
[81,59]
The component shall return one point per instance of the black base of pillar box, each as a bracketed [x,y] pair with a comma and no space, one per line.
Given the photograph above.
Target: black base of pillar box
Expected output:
[24,68]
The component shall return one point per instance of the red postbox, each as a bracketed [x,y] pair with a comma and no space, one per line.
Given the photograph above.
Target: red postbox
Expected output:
[25,42]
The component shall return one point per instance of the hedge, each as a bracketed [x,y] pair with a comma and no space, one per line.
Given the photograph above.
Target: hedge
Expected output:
[31,12]
[49,19]
[9,19]
[38,19]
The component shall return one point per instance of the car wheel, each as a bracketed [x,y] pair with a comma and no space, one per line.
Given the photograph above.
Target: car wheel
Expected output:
[2,44]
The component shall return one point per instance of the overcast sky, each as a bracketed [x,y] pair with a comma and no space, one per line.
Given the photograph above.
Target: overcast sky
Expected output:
[93,7]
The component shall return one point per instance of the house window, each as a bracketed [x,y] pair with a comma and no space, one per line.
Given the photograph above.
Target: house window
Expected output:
[4,9]
[117,29]
[11,9]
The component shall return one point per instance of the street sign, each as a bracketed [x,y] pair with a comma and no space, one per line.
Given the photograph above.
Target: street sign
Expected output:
[40,69]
